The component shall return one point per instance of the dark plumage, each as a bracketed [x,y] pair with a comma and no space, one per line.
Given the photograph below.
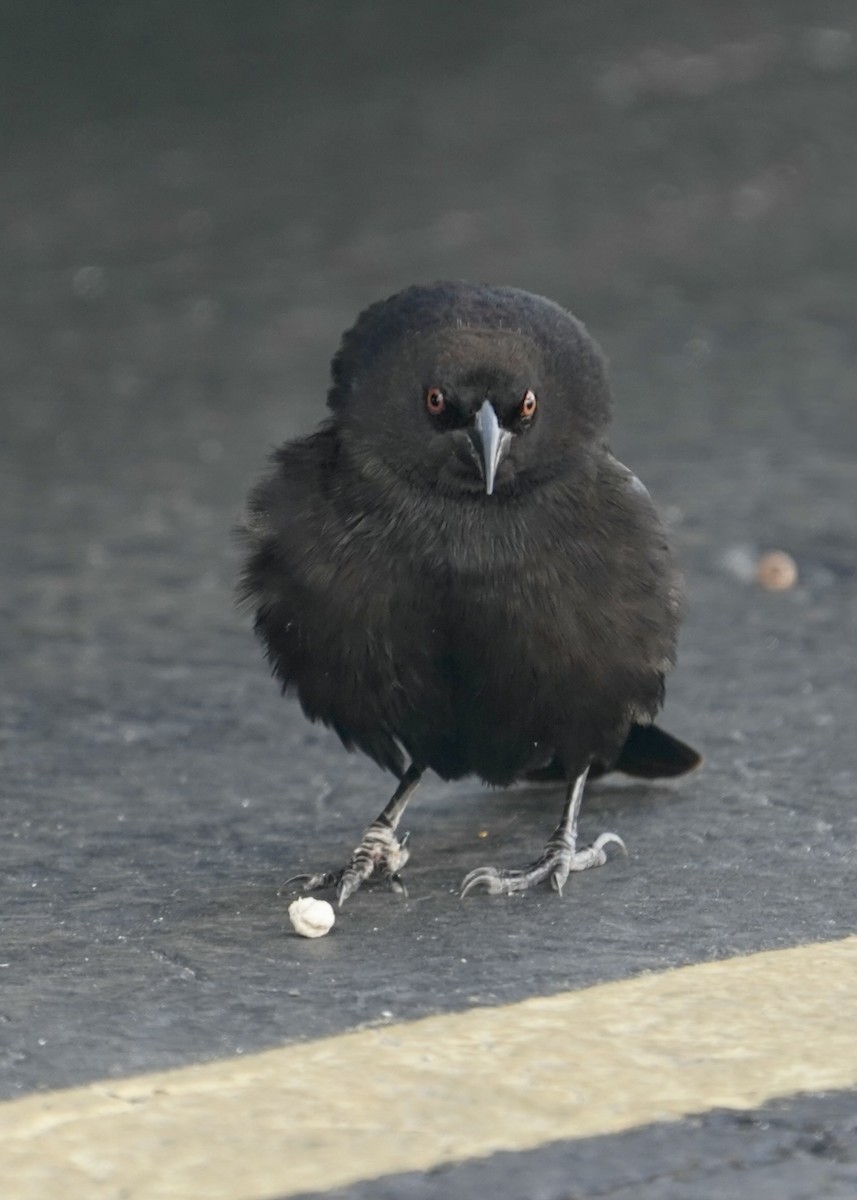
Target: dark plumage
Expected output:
[454,571]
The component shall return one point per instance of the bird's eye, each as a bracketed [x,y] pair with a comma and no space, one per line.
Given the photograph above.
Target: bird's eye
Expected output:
[435,401]
[529,404]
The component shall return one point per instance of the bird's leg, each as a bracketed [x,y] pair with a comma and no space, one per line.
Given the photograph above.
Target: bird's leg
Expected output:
[559,857]
[379,850]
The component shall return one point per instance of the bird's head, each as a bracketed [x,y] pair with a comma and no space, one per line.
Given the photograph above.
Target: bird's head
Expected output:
[465,390]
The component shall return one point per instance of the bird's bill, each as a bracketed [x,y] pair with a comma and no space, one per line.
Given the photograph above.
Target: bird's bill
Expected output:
[491,442]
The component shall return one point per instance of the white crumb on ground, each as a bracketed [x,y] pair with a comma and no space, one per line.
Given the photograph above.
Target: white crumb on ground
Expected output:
[311,918]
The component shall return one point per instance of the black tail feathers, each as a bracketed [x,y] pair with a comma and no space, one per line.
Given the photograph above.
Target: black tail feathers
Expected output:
[648,753]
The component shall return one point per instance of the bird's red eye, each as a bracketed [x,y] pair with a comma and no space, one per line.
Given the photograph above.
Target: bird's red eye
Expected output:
[435,401]
[529,404]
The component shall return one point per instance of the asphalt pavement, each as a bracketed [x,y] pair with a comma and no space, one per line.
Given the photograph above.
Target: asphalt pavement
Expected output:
[194,205]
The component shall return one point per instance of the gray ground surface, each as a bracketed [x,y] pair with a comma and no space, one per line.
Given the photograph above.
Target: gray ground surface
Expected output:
[803,1149]
[189,221]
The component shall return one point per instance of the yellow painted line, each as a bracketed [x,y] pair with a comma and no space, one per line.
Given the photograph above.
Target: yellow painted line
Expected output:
[448,1088]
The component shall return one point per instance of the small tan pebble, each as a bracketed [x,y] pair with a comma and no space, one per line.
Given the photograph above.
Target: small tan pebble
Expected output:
[483,833]
[311,918]
[776,571]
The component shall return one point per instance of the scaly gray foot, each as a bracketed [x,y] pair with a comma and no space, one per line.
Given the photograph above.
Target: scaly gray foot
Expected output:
[556,863]
[380,853]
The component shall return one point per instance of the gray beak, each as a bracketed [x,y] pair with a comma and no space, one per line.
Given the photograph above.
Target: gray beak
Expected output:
[491,442]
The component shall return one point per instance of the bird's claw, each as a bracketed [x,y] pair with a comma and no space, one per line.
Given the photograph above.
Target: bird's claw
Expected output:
[311,883]
[497,883]
[594,855]
[556,864]
[380,853]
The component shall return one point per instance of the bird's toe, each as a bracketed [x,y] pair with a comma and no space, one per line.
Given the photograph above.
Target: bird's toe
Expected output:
[311,882]
[595,855]
[349,883]
[502,882]
[496,883]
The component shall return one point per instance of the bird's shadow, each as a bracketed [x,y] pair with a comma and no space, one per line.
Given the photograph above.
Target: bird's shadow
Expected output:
[528,802]
[517,821]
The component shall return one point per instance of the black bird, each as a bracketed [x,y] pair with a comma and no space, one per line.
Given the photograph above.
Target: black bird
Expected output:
[454,570]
